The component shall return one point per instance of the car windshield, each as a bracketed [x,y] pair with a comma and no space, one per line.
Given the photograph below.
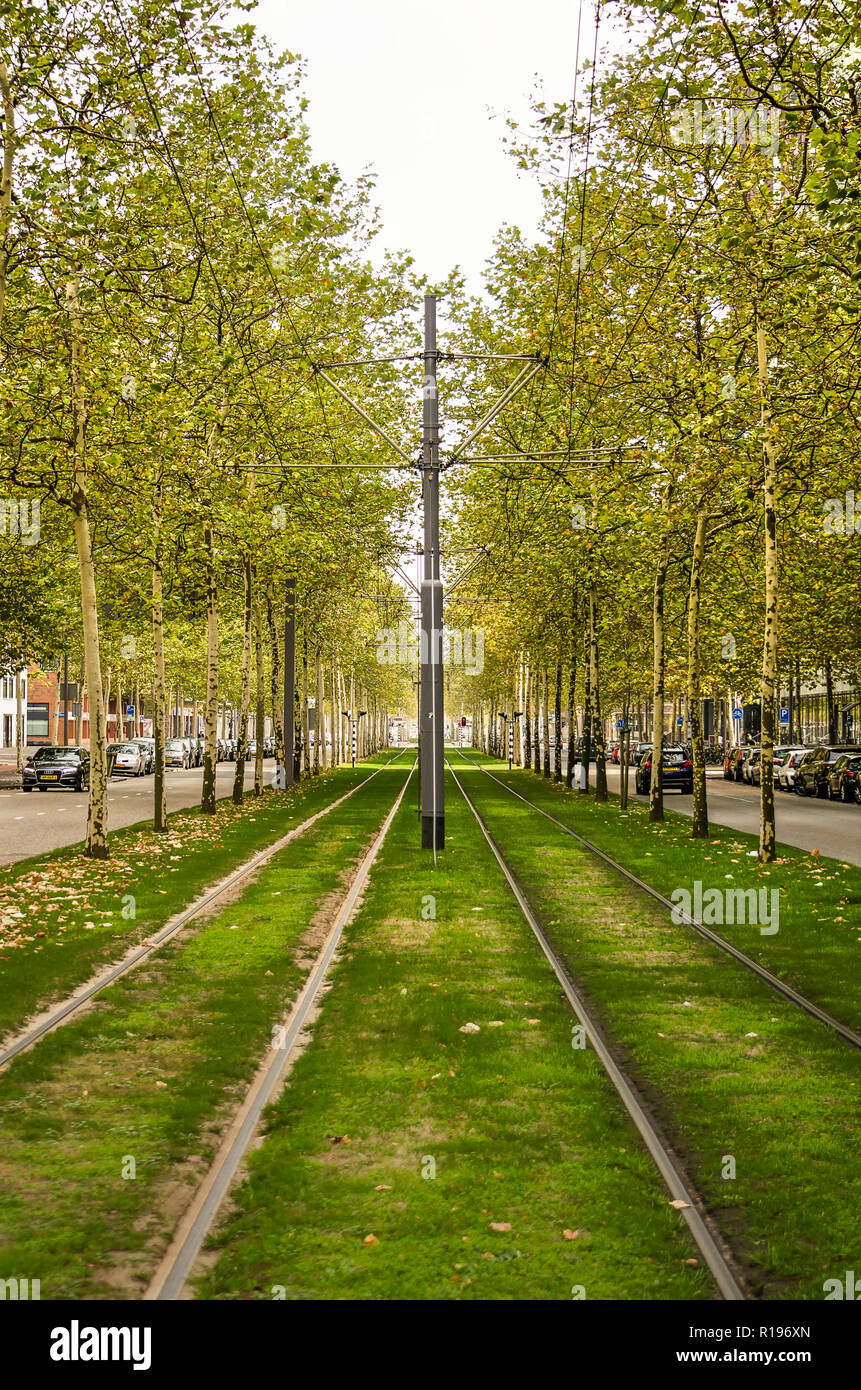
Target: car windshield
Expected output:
[174,743]
[121,748]
[57,755]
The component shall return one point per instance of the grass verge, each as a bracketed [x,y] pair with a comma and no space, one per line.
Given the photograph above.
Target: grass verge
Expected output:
[760,1099]
[408,1159]
[63,916]
[108,1123]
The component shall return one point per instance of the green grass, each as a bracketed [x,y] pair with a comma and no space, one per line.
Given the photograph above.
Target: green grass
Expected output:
[731,1068]
[154,1069]
[61,915]
[520,1128]
[817,947]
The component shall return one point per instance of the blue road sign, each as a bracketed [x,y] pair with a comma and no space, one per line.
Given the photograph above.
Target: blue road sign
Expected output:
[784,716]
[680,721]
[130,709]
[620,723]
[738,714]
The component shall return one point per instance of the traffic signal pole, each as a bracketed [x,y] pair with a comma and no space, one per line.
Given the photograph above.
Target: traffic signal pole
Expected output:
[432,702]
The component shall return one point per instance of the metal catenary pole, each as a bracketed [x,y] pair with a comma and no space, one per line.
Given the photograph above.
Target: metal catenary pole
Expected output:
[431,731]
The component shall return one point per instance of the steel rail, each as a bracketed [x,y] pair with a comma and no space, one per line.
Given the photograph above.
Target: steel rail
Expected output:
[667,1164]
[70,1006]
[168,1282]
[773,981]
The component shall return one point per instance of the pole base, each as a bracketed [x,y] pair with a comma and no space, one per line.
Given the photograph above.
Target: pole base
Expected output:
[429,823]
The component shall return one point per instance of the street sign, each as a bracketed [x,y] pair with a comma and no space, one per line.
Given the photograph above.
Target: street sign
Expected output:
[738,714]
[130,709]
[680,721]
[784,716]
[620,723]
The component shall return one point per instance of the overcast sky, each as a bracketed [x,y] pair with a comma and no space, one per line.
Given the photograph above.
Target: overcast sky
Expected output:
[419,93]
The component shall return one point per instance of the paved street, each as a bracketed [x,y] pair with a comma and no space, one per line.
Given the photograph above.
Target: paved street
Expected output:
[829,826]
[34,822]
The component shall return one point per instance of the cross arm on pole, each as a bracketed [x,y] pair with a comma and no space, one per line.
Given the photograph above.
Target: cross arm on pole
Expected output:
[524,376]
[365,416]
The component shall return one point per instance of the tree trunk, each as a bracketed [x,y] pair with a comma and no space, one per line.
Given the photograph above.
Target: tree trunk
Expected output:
[767,837]
[700,824]
[659,666]
[244,687]
[319,710]
[96,846]
[557,761]
[207,800]
[527,718]
[586,757]
[158,693]
[597,721]
[260,719]
[6,181]
[277,682]
[19,721]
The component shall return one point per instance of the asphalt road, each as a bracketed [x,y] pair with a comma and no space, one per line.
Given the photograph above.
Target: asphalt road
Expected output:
[34,822]
[805,822]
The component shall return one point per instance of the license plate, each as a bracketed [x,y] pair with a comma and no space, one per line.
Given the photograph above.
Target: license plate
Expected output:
[49,777]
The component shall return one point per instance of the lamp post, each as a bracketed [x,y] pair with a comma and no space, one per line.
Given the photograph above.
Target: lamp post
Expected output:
[354,724]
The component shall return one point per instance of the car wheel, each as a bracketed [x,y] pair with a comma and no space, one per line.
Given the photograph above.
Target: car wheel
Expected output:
[822,791]
[26,789]
[858,793]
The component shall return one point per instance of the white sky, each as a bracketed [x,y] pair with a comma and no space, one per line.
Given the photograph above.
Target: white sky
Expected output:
[412,91]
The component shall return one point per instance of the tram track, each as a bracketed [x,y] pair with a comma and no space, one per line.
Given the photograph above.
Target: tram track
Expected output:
[172,1274]
[707,1238]
[774,982]
[63,1011]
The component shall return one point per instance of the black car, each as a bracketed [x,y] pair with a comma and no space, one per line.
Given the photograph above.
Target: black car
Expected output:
[677,770]
[811,775]
[57,767]
[844,779]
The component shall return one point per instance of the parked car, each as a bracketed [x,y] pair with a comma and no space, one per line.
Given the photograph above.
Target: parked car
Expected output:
[751,760]
[734,762]
[786,771]
[677,770]
[51,766]
[200,743]
[222,750]
[811,775]
[844,779]
[129,759]
[175,753]
[148,747]
[251,749]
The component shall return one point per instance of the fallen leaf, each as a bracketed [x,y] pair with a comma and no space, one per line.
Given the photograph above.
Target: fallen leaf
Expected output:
[570,1235]
[500,1225]
[383,1187]
[469,1028]
[679,1204]
[370,1240]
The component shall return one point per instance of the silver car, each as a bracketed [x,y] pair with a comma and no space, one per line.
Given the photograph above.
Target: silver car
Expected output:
[788,763]
[128,759]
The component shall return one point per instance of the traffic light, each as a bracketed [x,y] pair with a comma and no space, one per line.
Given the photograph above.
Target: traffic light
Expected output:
[463,721]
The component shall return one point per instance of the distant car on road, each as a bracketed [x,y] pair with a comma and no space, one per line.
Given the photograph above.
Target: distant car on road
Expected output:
[129,759]
[57,767]
[148,746]
[734,762]
[175,753]
[677,770]
[786,771]
[844,779]
[750,762]
[811,775]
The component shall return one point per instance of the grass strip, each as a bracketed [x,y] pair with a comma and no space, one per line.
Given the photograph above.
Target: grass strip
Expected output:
[760,1099]
[408,1159]
[816,946]
[106,1125]
[62,916]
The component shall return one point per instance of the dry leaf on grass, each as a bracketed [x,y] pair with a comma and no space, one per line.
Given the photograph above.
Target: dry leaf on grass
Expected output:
[370,1240]
[679,1204]
[570,1235]
[469,1028]
[500,1225]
